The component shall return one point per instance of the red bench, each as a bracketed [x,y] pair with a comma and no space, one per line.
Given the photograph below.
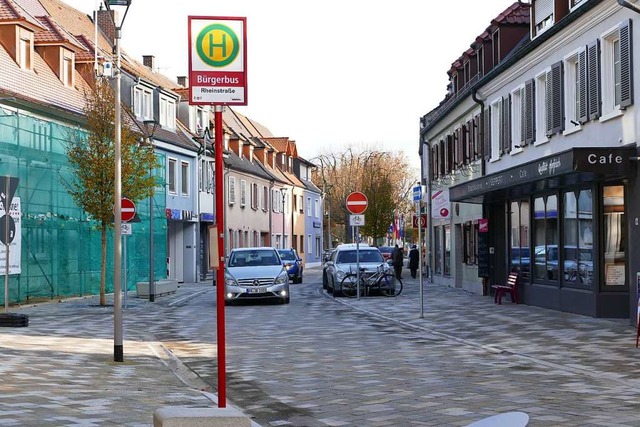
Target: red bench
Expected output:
[509,288]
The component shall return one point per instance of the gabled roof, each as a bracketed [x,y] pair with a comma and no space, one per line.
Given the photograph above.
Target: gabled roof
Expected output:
[515,14]
[14,13]
[55,35]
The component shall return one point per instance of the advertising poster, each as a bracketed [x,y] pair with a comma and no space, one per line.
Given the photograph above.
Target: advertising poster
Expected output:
[15,238]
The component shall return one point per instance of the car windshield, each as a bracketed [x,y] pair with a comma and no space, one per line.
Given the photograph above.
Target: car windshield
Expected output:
[367,255]
[287,255]
[254,258]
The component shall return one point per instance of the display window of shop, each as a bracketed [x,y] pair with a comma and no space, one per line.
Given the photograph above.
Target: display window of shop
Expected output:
[614,242]
[438,243]
[470,234]
[447,250]
[545,238]
[577,249]
[520,250]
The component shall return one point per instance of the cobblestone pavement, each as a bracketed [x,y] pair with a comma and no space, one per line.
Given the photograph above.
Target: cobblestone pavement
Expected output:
[321,361]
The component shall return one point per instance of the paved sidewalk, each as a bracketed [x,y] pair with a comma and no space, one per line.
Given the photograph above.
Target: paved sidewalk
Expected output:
[59,371]
[597,348]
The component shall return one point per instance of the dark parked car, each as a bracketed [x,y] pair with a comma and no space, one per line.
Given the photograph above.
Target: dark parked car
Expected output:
[292,263]
[386,252]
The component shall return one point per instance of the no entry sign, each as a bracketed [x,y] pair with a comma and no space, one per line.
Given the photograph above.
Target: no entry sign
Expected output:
[128,209]
[357,203]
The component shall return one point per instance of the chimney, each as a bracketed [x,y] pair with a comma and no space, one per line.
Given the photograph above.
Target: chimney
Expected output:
[106,24]
[149,61]
[183,81]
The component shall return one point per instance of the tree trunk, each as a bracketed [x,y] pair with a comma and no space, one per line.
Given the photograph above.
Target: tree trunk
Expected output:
[103,266]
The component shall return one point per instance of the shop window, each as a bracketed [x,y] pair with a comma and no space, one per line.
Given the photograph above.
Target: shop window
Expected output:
[437,240]
[545,235]
[577,250]
[447,250]
[520,250]
[614,242]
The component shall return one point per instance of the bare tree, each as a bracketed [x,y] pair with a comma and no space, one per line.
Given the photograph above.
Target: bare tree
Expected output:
[92,156]
[382,176]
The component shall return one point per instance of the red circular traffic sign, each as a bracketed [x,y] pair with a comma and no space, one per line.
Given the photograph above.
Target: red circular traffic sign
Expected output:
[128,210]
[357,203]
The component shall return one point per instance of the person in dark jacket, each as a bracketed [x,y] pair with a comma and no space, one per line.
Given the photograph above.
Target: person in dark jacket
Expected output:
[397,258]
[413,260]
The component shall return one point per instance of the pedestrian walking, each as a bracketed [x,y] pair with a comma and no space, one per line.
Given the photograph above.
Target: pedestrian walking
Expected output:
[398,258]
[413,260]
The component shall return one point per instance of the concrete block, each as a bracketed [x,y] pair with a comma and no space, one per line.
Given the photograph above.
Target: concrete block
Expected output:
[166,286]
[178,416]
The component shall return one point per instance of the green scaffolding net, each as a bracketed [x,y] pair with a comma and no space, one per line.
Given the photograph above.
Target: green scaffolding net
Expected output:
[60,247]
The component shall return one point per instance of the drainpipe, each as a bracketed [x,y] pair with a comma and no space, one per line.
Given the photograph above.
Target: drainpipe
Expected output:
[474,96]
[625,3]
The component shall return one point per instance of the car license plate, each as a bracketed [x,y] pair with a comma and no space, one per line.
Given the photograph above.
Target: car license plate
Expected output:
[256,290]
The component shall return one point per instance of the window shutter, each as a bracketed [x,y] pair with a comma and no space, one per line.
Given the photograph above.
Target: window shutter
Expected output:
[626,75]
[505,127]
[583,114]
[449,160]
[486,134]
[530,112]
[548,103]
[593,79]
[442,158]
[543,9]
[475,146]
[433,171]
[555,119]
[460,141]
[470,142]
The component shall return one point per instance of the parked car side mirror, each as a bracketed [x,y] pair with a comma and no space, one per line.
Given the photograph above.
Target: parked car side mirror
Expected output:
[329,262]
[299,259]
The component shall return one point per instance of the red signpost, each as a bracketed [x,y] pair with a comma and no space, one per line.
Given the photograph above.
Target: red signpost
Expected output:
[357,203]
[128,210]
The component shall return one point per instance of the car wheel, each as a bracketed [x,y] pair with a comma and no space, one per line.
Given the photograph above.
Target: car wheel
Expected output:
[324,281]
[300,278]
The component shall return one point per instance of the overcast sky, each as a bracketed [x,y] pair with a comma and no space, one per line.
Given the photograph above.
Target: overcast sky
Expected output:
[328,73]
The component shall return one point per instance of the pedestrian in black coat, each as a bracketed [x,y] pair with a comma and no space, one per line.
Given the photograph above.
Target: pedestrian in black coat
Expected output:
[397,258]
[413,260]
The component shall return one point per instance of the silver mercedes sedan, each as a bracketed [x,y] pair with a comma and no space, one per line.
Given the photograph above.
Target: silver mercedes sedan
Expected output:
[255,274]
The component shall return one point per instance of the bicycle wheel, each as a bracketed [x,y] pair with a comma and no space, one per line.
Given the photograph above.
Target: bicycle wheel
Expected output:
[349,286]
[390,285]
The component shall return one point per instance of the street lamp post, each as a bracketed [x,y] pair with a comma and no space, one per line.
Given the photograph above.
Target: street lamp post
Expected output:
[283,191]
[118,351]
[150,127]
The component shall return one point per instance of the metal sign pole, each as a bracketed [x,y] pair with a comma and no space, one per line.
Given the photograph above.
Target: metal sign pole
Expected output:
[358,259]
[419,216]
[124,283]
[6,236]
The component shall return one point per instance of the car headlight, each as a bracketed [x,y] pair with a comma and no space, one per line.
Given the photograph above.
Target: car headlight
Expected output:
[282,278]
[340,274]
[229,280]
[288,265]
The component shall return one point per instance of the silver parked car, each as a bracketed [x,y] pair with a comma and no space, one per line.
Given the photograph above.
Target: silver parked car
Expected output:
[255,273]
[343,260]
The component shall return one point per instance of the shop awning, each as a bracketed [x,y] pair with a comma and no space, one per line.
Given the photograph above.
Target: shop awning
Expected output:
[556,171]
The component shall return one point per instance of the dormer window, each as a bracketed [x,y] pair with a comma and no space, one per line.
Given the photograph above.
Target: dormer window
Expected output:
[66,74]
[25,49]
[543,15]
[167,112]
[142,103]
[200,120]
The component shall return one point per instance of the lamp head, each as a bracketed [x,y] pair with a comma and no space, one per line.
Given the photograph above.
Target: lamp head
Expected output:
[150,127]
[110,4]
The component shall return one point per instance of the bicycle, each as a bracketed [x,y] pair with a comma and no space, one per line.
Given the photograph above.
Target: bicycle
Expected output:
[381,281]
